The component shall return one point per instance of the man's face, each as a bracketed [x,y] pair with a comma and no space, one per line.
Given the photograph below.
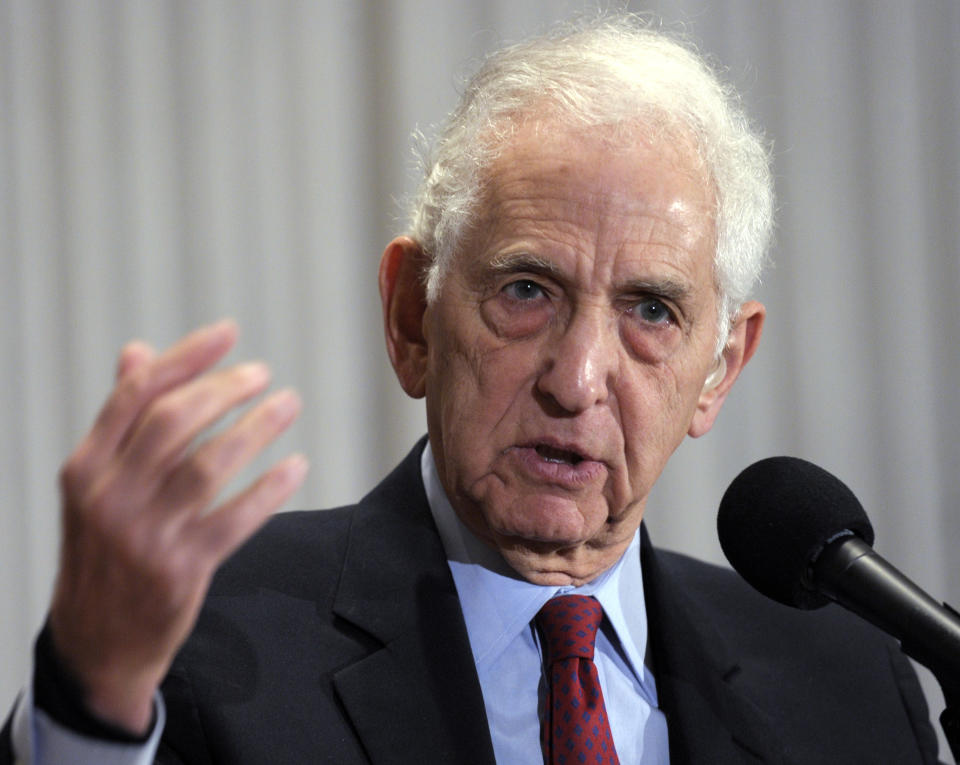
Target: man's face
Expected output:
[567,350]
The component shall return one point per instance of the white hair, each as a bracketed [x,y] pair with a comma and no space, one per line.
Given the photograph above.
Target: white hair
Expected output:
[611,71]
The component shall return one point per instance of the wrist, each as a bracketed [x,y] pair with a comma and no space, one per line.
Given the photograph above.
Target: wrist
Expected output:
[101,713]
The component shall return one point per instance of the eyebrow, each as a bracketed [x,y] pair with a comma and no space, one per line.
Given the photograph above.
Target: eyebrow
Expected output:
[671,289]
[523,261]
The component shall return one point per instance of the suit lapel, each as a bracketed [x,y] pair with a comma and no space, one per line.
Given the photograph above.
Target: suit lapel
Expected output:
[416,697]
[710,717]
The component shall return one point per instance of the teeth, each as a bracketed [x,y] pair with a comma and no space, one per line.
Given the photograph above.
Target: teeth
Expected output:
[559,456]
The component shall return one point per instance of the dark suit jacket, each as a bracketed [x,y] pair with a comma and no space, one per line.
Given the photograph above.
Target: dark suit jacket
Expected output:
[337,637]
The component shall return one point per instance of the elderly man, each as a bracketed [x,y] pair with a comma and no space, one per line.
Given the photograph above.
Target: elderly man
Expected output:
[571,302]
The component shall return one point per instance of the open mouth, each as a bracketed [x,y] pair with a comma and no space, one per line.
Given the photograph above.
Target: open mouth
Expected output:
[559,456]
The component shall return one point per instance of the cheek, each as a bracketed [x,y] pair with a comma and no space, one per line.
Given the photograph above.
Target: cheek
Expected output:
[655,416]
[474,410]
[472,383]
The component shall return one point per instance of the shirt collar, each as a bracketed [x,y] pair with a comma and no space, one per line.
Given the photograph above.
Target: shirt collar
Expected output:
[498,604]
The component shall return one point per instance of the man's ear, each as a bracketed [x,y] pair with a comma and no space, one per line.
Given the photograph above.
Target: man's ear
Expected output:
[741,345]
[404,299]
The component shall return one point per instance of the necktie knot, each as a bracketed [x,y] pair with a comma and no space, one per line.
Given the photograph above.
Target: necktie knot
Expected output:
[569,624]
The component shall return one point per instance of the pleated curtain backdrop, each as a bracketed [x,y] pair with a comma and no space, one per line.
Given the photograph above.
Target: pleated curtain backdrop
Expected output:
[163,164]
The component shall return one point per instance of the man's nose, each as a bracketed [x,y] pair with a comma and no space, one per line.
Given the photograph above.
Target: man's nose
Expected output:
[580,361]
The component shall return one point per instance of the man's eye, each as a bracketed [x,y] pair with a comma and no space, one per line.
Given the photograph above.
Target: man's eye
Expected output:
[653,311]
[523,289]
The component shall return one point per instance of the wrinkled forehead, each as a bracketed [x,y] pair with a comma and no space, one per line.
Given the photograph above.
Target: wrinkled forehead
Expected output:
[545,168]
[654,128]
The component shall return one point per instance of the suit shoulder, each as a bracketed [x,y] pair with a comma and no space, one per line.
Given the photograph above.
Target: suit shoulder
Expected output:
[742,611]
[294,551]
[807,669]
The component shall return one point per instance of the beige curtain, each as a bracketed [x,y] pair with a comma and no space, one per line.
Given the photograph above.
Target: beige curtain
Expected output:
[163,164]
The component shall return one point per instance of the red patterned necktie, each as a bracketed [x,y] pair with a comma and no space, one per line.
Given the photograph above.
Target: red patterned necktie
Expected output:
[575,728]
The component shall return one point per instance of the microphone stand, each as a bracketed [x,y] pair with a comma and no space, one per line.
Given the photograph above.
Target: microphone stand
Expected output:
[928,631]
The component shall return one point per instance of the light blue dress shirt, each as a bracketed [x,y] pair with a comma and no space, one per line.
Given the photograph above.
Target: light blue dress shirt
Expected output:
[498,608]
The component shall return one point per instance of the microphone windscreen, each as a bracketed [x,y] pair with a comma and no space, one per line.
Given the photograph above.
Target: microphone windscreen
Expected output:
[777,516]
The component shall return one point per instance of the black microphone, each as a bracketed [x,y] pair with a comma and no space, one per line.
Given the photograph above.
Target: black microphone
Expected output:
[800,536]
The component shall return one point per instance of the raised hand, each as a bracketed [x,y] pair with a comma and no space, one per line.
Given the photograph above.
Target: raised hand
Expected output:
[141,537]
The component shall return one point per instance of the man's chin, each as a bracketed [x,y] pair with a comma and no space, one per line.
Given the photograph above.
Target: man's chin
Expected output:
[555,563]
[550,537]
[552,570]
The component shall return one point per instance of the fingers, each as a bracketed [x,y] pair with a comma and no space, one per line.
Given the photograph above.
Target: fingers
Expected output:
[222,531]
[145,378]
[134,354]
[199,477]
[173,420]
